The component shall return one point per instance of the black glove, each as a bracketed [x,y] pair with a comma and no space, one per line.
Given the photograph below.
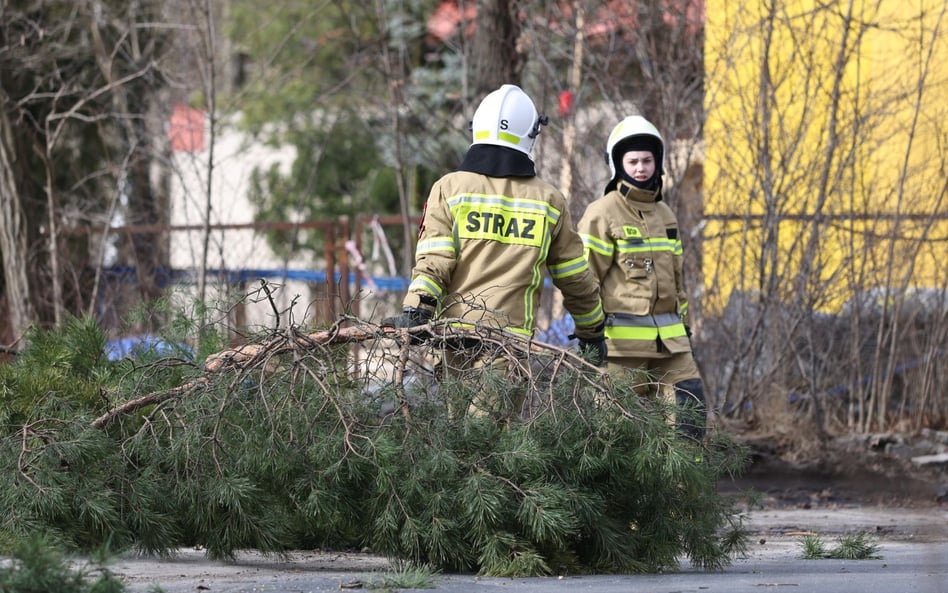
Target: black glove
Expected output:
[688,331]
[593,349]
[409,317]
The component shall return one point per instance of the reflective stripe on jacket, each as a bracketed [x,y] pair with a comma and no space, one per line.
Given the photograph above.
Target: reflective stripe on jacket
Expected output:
[482,248]
[632,245]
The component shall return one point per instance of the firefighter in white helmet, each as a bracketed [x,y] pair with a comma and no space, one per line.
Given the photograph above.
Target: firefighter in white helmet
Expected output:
[490,227]
[634,249]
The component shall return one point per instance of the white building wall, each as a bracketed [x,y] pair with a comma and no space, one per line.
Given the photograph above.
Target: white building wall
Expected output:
[211,185]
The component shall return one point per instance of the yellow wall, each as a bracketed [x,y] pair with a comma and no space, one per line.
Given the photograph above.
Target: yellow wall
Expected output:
[826,145]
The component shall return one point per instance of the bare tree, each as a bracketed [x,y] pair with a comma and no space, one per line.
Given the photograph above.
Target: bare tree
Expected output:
[78,78]
[815,254]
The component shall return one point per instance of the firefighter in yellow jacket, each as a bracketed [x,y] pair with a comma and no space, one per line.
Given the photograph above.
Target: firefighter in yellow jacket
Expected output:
[490,228]
[634,249]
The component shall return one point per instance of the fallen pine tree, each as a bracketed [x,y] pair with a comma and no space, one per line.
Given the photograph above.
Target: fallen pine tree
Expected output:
[359,436]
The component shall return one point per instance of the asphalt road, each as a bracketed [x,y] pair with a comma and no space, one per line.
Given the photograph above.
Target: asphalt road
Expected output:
[912,549]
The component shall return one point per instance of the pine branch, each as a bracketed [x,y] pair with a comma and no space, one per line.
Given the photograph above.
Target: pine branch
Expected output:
[147,400]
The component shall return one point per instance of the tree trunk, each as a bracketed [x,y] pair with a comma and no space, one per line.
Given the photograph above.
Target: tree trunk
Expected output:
[13,244]
[496,60]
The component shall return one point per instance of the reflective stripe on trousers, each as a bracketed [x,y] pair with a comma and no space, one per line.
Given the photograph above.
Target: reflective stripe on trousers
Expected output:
[644,327]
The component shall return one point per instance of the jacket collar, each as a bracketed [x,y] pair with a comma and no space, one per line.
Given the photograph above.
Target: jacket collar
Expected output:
[637,194]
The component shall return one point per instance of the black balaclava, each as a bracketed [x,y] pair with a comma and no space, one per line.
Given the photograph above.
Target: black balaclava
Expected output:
[641,142]
[497,161]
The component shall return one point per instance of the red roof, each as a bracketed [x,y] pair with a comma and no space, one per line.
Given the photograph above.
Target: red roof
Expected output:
[447,17]
[186,129]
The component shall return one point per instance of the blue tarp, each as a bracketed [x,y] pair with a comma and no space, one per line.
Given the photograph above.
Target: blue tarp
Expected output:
[146,344]
[165,276]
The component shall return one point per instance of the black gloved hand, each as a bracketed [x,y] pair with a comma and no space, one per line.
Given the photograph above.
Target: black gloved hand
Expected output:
[409,317]
[594,349]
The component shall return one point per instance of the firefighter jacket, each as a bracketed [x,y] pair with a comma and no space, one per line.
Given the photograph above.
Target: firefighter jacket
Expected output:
[633,248]
[482,248]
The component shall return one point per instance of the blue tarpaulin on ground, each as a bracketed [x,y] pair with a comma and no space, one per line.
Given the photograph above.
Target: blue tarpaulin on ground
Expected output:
[144,345]
[165,276]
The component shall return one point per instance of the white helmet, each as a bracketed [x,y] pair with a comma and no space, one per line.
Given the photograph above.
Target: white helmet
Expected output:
[628,128]
[507,117]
